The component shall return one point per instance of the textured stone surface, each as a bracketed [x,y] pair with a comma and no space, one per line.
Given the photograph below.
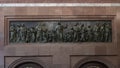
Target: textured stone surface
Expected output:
[64,55]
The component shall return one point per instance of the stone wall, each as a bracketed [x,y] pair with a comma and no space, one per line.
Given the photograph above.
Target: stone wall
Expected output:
[63,55]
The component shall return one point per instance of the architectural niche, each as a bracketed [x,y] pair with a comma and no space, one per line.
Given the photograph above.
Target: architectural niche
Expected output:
[93,62]
[27,63]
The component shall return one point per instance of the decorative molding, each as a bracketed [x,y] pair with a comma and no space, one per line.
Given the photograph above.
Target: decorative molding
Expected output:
[31,18]
[89,59]
[60,4]
[26,59]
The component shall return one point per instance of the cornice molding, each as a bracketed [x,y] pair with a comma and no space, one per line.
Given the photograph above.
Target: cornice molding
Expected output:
[60,5]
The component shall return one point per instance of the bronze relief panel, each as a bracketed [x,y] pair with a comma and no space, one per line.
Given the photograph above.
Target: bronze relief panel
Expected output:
[54,31]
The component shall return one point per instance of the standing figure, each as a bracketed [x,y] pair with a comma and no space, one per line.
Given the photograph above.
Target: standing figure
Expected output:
[12,35]
[65,33]
[22,31]
[79,32]
[50,36]
[33,34]
[18,32]
[82,32]
[108,33]
[89,33]
[76,32]
[54,35]
[44,32]
[101,32]
[38,33]
[96,33]
[71,35]
[59,32]
[28,35]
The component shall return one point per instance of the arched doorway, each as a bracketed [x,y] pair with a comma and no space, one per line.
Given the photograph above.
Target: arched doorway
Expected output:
[29,65]
[93,64]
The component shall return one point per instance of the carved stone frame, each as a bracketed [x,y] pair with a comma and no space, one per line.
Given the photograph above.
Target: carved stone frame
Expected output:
[56,17]
[26,59]
[89,59]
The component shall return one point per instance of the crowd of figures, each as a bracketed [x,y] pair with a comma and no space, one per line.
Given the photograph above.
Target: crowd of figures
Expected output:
[79,32]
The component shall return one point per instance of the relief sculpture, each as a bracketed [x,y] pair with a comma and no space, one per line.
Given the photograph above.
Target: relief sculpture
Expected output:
[48,31]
